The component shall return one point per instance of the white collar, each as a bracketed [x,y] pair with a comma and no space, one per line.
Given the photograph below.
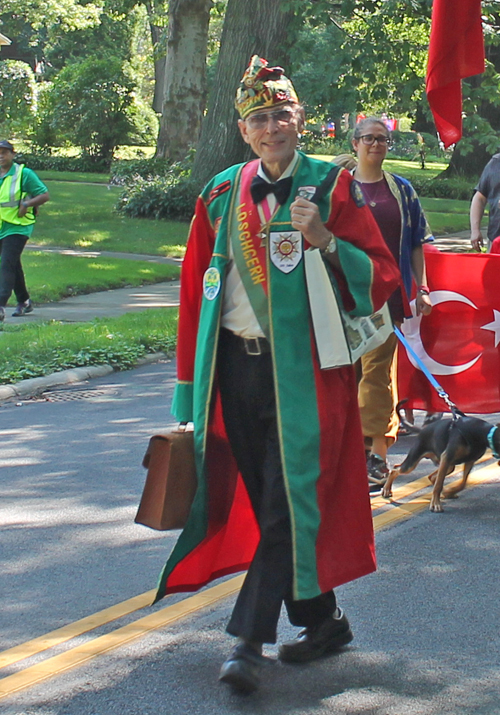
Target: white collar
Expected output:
[288,171]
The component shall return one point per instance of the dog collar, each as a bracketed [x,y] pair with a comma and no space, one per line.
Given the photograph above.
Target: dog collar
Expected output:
[491,434]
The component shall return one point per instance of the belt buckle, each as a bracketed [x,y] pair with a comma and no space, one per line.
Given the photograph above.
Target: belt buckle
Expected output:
[248,346]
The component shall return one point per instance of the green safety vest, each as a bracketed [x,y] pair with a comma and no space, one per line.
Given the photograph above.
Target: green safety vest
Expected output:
[10,197]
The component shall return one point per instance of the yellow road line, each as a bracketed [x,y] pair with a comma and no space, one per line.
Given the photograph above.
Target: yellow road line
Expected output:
[83,625]
[410,488]
[403,511]
[103,644]
[77,628]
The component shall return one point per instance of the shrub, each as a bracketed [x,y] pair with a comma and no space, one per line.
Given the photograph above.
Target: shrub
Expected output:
[159,197]
[123,170]
[154,188]
[47,162]
[445,188]
[314,143]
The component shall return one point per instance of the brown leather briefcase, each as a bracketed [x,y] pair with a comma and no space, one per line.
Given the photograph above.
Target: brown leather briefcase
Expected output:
[170,482]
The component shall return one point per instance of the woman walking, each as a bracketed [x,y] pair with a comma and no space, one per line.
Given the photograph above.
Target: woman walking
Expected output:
[399,215]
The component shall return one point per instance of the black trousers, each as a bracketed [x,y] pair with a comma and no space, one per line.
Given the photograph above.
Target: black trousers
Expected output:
[11,270]
[248,403]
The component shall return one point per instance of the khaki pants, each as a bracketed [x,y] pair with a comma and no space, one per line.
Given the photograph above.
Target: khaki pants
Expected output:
[377,391]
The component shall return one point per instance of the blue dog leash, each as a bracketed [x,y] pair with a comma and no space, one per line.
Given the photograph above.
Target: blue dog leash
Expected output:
[435,384]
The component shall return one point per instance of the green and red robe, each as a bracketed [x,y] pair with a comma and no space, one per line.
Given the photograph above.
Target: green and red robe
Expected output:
[318,420]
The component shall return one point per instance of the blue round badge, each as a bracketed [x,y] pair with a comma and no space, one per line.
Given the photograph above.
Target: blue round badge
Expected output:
[211,283]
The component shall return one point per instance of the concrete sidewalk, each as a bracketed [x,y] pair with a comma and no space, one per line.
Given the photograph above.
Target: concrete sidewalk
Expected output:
[108,303]
[459,243]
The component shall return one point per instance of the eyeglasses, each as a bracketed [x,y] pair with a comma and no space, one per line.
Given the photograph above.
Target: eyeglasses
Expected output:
[280,116]
[370,139]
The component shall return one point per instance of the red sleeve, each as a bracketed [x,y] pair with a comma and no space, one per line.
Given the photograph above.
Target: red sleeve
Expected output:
[200,245]
[352,221]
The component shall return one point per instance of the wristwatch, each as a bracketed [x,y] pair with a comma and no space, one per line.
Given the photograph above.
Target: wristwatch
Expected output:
[330,247]
[25,204]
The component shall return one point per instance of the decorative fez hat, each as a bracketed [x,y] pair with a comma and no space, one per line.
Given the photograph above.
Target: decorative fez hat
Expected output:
[262,87]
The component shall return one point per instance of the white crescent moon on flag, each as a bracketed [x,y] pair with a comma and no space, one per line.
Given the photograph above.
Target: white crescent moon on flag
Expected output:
[411,330]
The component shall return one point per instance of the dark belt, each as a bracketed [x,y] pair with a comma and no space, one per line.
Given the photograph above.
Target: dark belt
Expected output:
[252,346]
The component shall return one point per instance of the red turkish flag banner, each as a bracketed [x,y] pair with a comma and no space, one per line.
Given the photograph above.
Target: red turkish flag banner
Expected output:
[456,50]
[459,341]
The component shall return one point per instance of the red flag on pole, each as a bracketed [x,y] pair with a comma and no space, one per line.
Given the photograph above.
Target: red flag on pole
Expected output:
[459,342]
[456,50]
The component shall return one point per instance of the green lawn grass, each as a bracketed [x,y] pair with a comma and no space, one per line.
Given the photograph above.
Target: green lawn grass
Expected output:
[446,215]
[74,176]
[37,349]
[83,216]
[412,170]
[403,167]
[51,276]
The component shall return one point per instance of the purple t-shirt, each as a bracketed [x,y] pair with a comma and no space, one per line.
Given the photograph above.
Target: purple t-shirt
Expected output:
[385,209]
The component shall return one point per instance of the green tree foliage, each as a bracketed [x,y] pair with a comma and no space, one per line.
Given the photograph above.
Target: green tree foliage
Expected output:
[90,105]
[17,98]
[361,55]
[65,15]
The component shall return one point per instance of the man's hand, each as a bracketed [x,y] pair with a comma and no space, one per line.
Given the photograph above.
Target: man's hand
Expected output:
[423,304]
[306,219]
[476,239]
[477,206]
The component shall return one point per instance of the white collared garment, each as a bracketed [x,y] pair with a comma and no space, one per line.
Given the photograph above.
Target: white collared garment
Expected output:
[237,313]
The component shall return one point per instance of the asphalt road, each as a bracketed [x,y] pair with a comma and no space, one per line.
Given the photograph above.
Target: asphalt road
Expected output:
[426,624]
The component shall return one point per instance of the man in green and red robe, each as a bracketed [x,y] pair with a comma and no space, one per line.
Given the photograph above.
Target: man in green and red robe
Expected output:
[282,486]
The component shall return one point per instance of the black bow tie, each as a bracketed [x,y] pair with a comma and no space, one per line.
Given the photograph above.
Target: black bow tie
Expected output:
[260,188]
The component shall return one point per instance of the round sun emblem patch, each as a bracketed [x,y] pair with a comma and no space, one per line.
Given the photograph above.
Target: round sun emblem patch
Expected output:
[285,247]
[211,283]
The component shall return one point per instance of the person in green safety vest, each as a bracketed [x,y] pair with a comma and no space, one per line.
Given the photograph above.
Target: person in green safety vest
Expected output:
[21,192]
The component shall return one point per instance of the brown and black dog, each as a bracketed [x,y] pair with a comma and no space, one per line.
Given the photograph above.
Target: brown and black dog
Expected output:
[448,442]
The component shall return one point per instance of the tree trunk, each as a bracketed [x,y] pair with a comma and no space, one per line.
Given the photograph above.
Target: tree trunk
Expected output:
[159,55]
[258,27]
[184,89]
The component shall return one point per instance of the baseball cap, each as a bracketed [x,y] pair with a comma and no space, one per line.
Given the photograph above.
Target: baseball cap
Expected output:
[4,144]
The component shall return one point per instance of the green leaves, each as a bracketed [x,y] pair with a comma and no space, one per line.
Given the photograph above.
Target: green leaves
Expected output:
[17,98]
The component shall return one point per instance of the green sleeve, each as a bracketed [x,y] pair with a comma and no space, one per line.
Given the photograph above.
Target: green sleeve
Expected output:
[358,270]
[182,404]
[31,184]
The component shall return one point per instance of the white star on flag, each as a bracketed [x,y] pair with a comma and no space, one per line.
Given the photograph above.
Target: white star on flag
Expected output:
[494,326]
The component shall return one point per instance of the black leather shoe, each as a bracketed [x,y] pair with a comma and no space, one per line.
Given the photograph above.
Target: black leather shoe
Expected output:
[241,669]
[312,643]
